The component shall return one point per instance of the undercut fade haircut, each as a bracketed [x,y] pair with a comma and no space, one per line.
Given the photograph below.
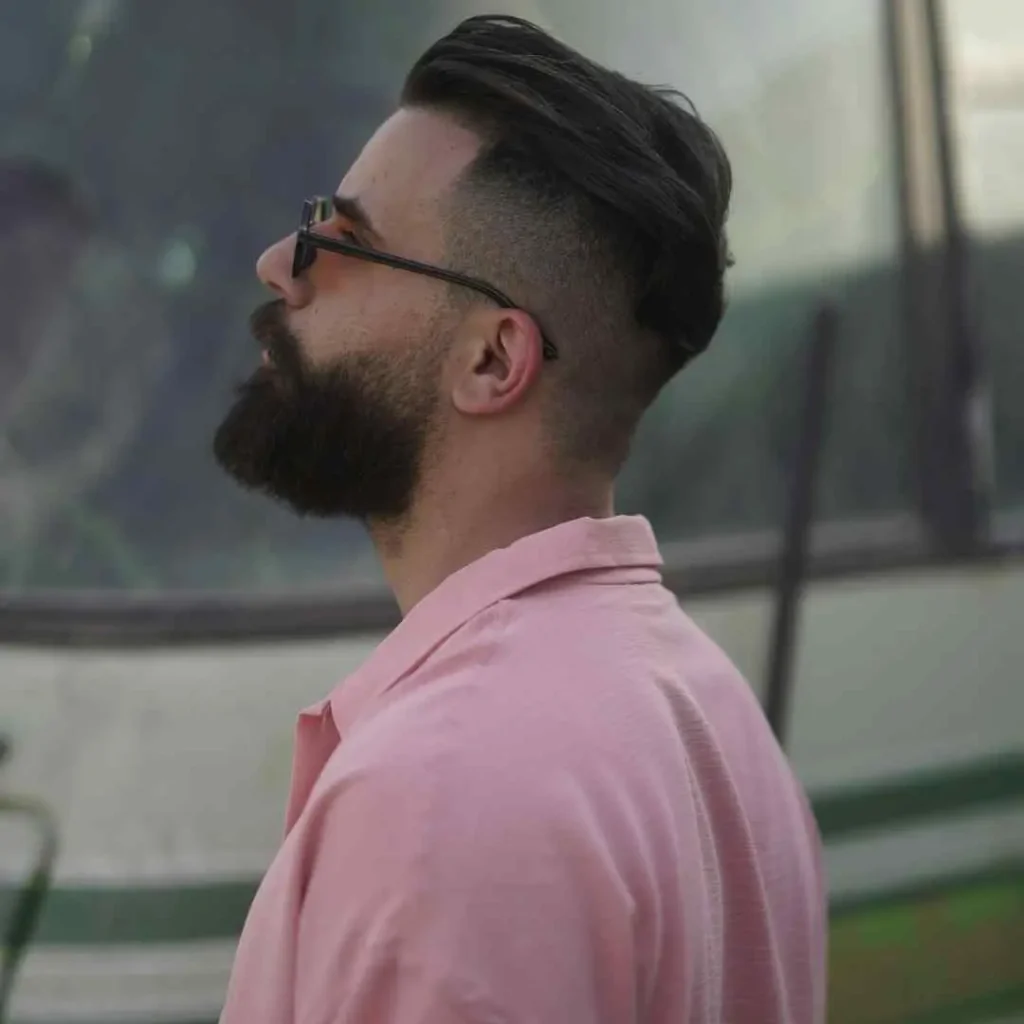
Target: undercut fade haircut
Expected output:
[598,202]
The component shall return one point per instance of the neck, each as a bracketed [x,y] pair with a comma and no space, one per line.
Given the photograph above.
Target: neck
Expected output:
[445,534]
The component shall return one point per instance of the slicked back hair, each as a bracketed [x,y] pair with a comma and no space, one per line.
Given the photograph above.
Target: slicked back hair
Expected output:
[598,202]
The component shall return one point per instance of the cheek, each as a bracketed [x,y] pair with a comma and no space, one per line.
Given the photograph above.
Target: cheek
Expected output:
[332,326]
[385,314]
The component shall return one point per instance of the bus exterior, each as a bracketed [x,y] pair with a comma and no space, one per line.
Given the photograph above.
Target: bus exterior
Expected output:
[159,630]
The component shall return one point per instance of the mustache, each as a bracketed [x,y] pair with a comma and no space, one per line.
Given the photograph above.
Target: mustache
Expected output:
[268,327]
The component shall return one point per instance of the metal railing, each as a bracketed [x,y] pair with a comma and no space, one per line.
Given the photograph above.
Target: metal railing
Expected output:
[27,907]
[799,515]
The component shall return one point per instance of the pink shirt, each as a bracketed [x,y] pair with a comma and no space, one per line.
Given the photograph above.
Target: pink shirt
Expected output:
[546,798]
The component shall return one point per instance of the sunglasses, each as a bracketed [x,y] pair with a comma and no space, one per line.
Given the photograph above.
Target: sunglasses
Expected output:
[308,242]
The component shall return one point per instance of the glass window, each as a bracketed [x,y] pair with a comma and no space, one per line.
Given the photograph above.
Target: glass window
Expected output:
[148,153]
[986,49]
[797,90]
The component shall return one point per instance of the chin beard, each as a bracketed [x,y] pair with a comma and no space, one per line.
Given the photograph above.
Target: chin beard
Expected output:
[348,441]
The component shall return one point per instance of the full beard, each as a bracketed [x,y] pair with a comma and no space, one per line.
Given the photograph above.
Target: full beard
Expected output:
[346,440]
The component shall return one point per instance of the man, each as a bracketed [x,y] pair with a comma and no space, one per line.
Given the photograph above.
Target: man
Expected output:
[58,434]
[546,797]
[74,385]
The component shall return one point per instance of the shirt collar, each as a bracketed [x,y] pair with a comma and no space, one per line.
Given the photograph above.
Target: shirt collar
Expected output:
[579,545]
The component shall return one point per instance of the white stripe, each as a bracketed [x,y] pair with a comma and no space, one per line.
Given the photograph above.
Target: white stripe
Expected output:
[906,856]
[123,983]
[185,981]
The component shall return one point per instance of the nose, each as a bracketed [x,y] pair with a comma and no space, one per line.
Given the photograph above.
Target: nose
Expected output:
[274,269]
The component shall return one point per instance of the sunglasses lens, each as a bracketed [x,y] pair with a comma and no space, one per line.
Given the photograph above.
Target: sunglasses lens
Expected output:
[314,211]
[304,256]
[322,210]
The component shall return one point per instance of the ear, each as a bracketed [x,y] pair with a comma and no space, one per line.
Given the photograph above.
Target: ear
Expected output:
[500,362]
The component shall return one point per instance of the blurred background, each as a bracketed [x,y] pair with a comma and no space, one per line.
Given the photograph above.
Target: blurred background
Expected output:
[160,629]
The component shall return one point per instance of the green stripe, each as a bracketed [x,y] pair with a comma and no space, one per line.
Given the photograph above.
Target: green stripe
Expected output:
[104,915]
[997,891]
[994,1006]
[919,797]
[108,916]
[107,1020]
[100,915]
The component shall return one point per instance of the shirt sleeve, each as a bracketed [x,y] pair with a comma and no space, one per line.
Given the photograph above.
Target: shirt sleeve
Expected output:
[455,897]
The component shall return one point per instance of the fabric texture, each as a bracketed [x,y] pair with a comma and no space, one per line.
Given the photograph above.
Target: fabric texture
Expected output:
[546,798]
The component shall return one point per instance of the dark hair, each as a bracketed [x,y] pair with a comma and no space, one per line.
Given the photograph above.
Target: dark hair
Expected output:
[636,177]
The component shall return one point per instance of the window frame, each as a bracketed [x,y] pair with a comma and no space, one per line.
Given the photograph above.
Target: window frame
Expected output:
[949,523]
[700,568]
[945,359]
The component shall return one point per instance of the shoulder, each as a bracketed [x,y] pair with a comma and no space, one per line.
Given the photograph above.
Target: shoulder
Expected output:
[528,706]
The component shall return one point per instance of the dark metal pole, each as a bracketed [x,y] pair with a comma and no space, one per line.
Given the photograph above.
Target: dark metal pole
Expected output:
[800,516]
[963,449]
[26,909]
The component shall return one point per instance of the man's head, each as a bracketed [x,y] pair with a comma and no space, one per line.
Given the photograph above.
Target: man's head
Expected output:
[596,204]
[45,227]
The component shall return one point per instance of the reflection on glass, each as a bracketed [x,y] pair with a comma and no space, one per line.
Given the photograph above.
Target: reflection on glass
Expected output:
[74,379]
[986,48]
[188,143]
[796,89]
